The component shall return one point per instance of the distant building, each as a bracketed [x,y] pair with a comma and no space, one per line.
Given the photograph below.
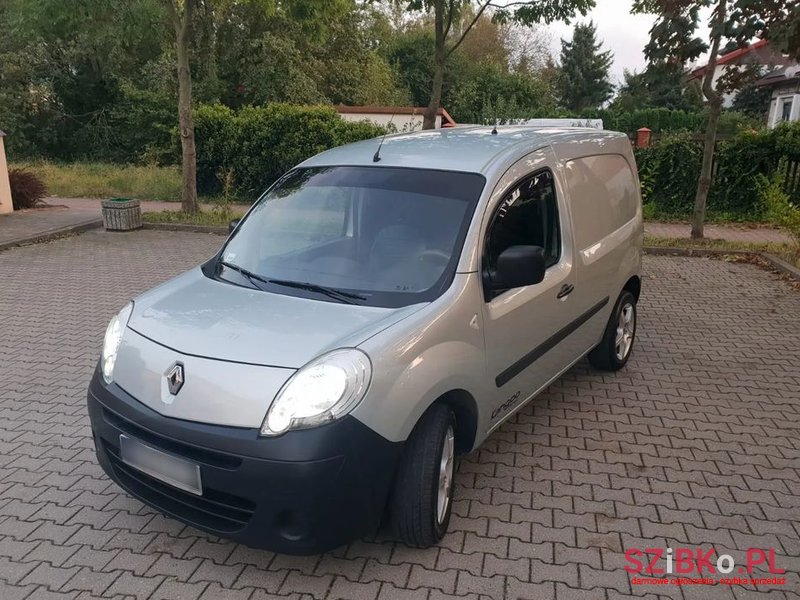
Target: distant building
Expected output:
[402,118]
[760,54]
[785,102]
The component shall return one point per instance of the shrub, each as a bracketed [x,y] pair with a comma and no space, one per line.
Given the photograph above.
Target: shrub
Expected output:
[665,120]
[251,148]
[27,189]
[669,170]
[777,207]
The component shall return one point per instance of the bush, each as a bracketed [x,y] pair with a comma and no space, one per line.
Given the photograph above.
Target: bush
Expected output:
[249,149]
[665,120]
[27,189]
[778,209]
[669,170]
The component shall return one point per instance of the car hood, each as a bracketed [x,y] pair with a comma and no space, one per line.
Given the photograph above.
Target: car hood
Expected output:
[195,315]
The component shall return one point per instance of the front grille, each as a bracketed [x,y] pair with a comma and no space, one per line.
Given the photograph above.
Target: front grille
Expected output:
[192,453]
[213,510]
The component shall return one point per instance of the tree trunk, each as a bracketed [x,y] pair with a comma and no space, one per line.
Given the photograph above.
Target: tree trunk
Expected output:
[439,59]
[714,98]
[429,120]
[182,25]
[704,182]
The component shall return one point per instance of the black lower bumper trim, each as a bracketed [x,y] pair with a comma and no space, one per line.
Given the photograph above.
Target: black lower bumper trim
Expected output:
[304,492]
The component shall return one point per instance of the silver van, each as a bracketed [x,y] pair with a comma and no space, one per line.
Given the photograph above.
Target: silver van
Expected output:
[379,311]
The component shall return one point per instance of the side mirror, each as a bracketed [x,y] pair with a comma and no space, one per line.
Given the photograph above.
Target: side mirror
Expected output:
[518,266]
[233,225]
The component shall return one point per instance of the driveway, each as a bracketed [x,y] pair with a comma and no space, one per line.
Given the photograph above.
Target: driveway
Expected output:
[695,444]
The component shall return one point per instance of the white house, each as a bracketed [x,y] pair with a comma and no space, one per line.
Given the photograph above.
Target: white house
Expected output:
[785,102]
[760,54]
[402,118]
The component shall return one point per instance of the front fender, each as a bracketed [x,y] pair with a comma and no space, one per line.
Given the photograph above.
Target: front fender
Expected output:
[437,350]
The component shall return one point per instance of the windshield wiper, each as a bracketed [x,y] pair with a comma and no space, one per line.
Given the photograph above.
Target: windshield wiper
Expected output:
[249,275]
[340,295]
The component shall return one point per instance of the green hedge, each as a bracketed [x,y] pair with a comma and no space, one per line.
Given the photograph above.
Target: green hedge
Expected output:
[254,146]
[664,120]
[669,170]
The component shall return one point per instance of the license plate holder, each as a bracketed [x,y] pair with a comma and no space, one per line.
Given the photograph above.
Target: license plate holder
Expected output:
[167,468]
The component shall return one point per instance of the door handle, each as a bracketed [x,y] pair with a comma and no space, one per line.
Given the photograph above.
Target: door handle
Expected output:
[565,290]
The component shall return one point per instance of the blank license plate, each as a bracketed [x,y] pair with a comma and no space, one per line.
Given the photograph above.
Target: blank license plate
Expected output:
[170,469]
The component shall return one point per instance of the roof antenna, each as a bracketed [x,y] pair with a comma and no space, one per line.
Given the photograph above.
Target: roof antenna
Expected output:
[377,156]
[494,129]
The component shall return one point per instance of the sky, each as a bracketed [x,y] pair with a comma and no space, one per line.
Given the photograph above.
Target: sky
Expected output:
[619,31]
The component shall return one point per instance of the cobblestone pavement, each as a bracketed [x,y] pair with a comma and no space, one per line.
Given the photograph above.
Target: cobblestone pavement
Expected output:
[695,443]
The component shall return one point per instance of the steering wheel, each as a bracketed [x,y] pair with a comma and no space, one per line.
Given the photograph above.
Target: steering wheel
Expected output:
[436,255]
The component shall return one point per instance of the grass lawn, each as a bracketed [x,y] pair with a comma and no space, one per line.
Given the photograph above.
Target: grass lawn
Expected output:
[98,180]
[214,217]
[787,252]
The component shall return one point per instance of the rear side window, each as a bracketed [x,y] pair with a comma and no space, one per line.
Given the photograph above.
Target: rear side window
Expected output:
[603,196]
[527,216]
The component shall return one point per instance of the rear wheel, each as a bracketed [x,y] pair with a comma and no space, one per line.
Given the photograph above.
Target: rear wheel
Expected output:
[615,348]
[422,493]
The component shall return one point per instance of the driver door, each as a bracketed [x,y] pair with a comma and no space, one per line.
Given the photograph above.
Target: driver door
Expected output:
[527,328]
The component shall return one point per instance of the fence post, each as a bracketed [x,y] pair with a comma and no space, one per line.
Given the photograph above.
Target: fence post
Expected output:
[642,137]
[5,188]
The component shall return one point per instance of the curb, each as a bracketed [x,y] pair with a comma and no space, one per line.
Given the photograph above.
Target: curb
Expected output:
[187,228]
[778,264]
[52,235]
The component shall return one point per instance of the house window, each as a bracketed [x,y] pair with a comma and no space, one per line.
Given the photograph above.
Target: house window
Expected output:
[785,109]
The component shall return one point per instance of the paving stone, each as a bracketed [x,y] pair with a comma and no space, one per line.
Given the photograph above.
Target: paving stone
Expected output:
[694,442]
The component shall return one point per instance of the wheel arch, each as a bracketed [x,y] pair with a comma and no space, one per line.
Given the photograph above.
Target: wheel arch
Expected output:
[465,409]
[634,286]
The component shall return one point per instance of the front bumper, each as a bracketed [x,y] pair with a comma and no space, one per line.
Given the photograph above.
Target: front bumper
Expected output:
[304,492]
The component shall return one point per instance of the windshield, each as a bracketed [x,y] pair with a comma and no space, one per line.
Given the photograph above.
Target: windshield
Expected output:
[386,236]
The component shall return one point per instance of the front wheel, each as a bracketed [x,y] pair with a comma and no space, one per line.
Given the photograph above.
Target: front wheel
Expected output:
[422,494]
[614,349]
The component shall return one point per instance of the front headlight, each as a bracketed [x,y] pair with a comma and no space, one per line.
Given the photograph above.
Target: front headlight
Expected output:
[323,390]
[112,340]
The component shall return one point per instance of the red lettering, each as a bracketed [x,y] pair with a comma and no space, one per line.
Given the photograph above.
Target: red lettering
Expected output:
[704,559]
[652,569]
[772,567]
[629,556]
[684,560]
[755,556]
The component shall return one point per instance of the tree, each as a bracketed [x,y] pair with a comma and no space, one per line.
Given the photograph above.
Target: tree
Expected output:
[753,100]
[658,86]
[310,15]
[181,19]
[584,81]
[732,24]
[450,30]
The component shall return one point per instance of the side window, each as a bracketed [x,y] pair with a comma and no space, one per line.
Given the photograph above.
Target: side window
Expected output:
[527,216]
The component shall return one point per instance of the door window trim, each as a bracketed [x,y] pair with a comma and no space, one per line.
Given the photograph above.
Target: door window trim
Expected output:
[488,297]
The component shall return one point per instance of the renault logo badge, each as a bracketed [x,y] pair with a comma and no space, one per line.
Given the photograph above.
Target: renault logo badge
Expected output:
[175,378]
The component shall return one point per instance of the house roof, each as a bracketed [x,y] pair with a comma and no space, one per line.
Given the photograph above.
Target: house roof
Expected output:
[447,120]
[729,57]
[786,74]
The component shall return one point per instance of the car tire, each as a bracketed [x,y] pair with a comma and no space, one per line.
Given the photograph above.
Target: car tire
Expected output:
[616,347]
[416,514]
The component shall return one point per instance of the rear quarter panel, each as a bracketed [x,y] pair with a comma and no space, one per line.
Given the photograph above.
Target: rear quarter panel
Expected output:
[606,208]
